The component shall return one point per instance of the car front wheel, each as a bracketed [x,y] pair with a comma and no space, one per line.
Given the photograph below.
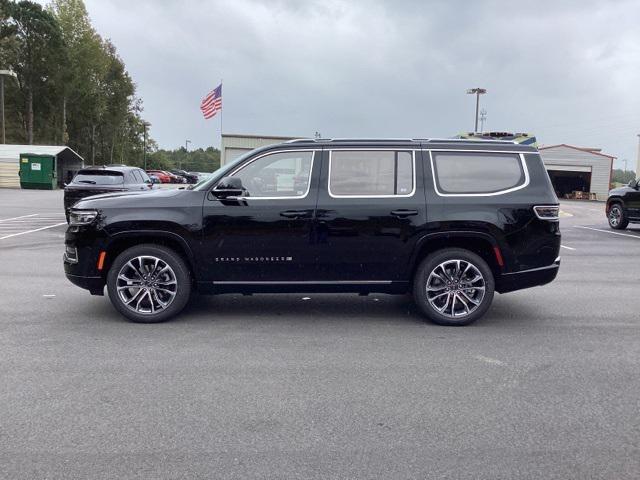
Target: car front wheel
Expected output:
[149,283]
[453,287]
[617,218]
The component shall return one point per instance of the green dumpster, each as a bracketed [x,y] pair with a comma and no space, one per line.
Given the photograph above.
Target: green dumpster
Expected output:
[38,171]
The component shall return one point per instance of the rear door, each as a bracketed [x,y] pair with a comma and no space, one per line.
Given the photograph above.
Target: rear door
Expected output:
[371,206]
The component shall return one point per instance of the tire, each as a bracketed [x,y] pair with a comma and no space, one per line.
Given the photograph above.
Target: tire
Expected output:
[460,308]
[617,218]
[164,279]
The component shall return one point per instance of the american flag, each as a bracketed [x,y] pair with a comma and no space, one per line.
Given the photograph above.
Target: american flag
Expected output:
[212,103]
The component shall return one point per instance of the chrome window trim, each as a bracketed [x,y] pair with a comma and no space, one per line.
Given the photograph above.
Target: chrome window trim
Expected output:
[490,194]
[356,149]
[276,152]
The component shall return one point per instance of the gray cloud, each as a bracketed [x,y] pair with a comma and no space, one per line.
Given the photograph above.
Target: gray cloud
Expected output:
[566,71]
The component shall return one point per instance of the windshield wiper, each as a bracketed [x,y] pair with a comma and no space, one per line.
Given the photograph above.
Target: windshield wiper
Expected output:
[92,182]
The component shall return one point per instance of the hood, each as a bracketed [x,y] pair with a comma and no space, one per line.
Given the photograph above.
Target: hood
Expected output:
[621,190]
[127,199]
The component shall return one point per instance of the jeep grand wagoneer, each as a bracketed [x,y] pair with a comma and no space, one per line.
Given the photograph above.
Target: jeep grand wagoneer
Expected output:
[451,221]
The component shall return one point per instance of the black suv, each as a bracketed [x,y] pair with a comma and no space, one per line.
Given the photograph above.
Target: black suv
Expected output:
[451,221]
[623,205]
[96,180]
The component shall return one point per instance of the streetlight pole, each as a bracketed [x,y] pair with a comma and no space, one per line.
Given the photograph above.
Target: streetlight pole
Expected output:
[4,73]
[186,149]
[477,91]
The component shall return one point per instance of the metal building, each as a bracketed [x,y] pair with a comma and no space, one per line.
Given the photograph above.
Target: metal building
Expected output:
[67,162]
[579,169]
[234,145]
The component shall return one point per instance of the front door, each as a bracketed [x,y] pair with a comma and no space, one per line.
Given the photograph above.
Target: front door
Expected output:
[632,201]
[264,236]
[371,207]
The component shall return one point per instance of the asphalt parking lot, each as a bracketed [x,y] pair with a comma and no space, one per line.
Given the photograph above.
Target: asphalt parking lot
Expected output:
[547,385]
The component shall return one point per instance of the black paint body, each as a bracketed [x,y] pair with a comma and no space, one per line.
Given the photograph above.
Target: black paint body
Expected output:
[629,197]
[324,244]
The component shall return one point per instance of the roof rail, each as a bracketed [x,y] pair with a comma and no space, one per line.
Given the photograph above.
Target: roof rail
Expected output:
[382,140]
[298,140]
[465,140]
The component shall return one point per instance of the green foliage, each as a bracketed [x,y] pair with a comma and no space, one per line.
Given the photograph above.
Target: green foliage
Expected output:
[620,176]
[72,80]
[199,160]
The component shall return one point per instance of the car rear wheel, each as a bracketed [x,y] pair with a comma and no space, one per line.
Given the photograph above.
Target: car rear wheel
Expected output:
[617,218]
[149,283]
[453,287]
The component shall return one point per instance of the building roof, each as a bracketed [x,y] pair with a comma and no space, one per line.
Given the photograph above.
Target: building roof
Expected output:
[14,151]
[592,151]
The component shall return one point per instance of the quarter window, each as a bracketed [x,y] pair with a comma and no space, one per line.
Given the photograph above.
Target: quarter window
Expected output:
[285,174]
[477,173]
[371,173]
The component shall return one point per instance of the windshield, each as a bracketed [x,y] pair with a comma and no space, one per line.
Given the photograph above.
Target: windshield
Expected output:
[99,178]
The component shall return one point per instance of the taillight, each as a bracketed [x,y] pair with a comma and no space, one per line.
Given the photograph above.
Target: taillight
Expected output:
[547,212]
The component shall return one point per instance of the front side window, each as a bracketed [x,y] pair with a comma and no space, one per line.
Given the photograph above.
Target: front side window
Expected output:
[362,173]
[285,174]
[477,173]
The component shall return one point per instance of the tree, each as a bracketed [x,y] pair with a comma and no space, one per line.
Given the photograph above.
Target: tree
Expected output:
[198,160]
[620,176]
[32,47]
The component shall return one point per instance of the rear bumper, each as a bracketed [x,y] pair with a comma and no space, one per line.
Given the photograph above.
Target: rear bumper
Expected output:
[509,282]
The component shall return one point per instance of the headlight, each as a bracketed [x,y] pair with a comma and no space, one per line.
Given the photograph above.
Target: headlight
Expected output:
[82,217]
[550,212]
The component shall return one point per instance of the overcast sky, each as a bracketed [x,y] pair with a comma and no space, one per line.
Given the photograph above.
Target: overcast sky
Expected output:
[568,72]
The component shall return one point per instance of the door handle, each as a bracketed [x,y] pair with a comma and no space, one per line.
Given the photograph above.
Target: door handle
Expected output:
[403,213]
[295,213]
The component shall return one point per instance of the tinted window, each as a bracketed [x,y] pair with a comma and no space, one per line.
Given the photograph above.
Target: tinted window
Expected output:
[99,177]
[371,173]
[144,176]
[284,174]
[477,172]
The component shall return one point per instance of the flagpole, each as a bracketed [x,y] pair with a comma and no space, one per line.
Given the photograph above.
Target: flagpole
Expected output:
[221,118]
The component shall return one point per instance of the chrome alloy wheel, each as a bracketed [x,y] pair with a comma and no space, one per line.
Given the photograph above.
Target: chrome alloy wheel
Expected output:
[615,216]
[455,288]
[146,285]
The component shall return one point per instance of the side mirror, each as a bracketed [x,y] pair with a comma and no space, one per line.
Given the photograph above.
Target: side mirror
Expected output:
[228,187]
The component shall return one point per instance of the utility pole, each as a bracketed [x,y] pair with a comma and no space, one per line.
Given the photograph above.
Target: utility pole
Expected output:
[624,160]
[4,73]
[477,92]
[483,118]
[144,144]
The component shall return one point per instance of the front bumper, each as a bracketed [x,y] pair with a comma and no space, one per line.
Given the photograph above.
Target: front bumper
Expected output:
[80,260]
[509,282]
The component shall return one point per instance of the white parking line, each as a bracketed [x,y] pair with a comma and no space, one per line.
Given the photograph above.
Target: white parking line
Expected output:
[493,361]
[16,218]
[608,231]
[32,231]
[568,248]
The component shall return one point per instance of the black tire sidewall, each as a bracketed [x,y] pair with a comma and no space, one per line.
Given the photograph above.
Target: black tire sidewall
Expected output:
[183,278]
[433,260]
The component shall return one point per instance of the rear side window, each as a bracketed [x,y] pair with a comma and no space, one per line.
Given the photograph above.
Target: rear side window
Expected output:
[477,173]
[363,173]
[99,177]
